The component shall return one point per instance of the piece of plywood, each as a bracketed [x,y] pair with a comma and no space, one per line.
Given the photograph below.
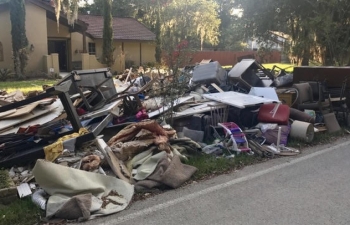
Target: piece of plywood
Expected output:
[6,113]
[22,111]
[38,116]
[237,99]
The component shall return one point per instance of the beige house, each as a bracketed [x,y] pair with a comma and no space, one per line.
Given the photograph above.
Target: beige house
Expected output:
[53,49]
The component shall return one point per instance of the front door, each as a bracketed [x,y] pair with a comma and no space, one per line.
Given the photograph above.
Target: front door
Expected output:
[59,47]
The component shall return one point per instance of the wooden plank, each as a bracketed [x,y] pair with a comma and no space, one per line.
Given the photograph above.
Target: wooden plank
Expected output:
[204,88]
[22,111]
[217,88]
[11,123]
[8,112]
[39,116]
[127,77]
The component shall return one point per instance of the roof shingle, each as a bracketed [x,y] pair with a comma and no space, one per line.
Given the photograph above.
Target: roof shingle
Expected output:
[123,28]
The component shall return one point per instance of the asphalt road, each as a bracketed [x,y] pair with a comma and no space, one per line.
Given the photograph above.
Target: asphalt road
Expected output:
[313,188]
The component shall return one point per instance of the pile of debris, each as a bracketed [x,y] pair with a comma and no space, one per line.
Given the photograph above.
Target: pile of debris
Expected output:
[105,137]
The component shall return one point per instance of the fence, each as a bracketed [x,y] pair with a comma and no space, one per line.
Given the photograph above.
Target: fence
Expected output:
[226,58]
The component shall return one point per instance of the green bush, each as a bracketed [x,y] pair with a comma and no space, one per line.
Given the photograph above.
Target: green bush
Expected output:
[5,74]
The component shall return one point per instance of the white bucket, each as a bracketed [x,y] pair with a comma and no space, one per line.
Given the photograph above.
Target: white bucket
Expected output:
[302,130]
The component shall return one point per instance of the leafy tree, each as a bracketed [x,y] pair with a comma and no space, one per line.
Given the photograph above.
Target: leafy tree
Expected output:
[120,8]
[194,20]
[231,28]
[318,29]
[107,48]
[19,38]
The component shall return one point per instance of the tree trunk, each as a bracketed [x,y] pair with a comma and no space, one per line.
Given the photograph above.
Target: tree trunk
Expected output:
[107,49]
[158,54]
[328,61]
[305,60]
[19,38]
[201,44]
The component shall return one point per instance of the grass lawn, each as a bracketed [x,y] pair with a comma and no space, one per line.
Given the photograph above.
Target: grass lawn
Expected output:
[26,85]
[20,212]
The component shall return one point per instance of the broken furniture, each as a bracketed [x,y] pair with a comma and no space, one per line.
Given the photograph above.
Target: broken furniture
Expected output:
[248,73]
[208,73]
[131,101]
[35,151]
[311,96]
[334,76]
[99,83]
[339,105]
[218,113]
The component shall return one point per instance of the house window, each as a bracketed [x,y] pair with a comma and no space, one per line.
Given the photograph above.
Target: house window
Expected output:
[92,49]
[1,53]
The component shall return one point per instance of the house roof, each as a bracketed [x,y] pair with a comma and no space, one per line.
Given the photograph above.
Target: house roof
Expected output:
[123,28]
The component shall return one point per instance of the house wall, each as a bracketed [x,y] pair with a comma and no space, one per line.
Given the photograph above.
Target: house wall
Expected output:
[52,32]
[5,38]
[78,45]
[131,52]
[36,34]
[148,52]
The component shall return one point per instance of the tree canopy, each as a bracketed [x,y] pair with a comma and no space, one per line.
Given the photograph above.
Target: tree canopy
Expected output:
[318,29]
[195,20]
[314,30]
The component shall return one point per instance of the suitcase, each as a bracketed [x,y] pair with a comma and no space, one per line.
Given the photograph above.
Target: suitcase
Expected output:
[274,113]
[209,73]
